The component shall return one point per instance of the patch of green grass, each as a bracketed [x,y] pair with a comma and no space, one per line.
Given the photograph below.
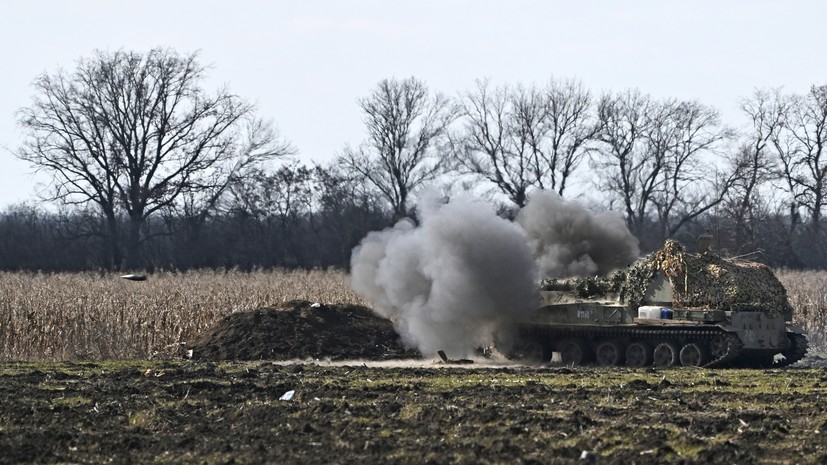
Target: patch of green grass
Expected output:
[72,401]
[145,419]
[410,411]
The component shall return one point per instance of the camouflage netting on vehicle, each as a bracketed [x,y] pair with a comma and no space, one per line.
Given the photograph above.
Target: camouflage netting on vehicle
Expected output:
[710,281]
[589,287]
[698,281]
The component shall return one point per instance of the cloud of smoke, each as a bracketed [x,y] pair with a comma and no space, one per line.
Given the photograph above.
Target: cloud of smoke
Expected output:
[449,283]
[568,239]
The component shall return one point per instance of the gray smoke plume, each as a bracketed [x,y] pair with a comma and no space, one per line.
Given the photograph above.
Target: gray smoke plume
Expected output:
[570,240]
[450,282]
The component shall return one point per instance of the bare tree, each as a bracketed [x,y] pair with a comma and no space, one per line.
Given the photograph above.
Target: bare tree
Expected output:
[494,146]
[692,184]
[657,160]
[525,137]
[754,161]
[280,202]
[801,147]
[571,127]
[136,133]
[255,137]
[406,123]
[625,170]
[802,151]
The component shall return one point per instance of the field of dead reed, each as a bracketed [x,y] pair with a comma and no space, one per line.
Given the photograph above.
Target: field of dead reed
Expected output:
[807,291]
[76,316]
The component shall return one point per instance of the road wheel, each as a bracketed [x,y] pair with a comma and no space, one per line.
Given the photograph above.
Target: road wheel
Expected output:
[534,353]
[666,354]
[572,352]
[609,354]
[693,355]
[638,354]
[718,346]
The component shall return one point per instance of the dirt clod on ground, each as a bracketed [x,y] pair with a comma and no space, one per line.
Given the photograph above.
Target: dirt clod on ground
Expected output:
[300,330]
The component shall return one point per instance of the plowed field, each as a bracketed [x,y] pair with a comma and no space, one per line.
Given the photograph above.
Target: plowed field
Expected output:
[231,412]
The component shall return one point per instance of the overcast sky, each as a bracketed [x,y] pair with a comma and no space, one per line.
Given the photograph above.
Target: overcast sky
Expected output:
[305,63]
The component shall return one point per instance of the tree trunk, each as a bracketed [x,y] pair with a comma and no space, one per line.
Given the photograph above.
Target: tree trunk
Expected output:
[133,242]
[113,254]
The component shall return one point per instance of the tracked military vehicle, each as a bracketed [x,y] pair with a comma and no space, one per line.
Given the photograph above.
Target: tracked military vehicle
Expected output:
[670,308]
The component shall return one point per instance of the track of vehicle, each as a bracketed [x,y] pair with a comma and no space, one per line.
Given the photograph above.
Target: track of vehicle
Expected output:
[796,351]
[633,345]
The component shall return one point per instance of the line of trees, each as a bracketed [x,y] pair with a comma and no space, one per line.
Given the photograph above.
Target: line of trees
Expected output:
[151,170]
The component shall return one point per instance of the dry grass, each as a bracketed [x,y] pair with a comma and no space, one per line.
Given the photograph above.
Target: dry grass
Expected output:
[67,316]
[807,291]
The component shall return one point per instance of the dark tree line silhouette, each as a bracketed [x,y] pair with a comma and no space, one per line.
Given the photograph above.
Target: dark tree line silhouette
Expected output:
[295,217]
[150,170]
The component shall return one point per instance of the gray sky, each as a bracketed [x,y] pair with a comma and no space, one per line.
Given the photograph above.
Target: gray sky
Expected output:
[307,62]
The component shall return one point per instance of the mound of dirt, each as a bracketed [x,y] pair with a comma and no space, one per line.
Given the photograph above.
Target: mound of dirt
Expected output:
[301,330]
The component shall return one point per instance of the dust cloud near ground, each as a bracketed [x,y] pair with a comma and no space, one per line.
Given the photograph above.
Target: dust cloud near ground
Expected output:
[451,281]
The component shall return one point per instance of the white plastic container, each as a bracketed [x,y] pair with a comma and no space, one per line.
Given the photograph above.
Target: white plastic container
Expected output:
[649,312]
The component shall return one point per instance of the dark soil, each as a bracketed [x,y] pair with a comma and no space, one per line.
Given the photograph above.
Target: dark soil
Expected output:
[214,412]
[203,412]
[301,330]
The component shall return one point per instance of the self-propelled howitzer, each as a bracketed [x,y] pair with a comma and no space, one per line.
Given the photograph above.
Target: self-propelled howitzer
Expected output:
[670,308]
